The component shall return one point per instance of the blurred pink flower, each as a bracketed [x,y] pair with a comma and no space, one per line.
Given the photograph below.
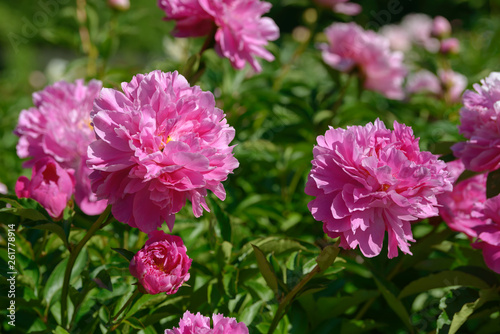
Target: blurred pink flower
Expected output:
[450,45]
[453,83]
[51,185]
[159,143]
[59,127]
[424,81]
[341,6]
[441,27]
[119,4]
[399,39]
[190,18]
[241,31]
[351,48]
[479,124]
[489,234]
[3,189]
[368,180]
[462,208]
[197,324]
[162,265]
[419,29]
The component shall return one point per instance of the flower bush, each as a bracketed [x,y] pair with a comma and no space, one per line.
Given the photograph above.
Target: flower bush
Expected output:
[289,146]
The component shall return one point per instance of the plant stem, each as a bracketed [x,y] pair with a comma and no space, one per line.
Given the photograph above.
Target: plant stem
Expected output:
[124,307]
[71,262]
[289,298]
[193,77]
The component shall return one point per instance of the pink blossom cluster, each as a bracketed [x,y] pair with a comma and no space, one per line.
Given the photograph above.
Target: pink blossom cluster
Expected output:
[197,324]
[162,265]
[422,31]
[466,209]
[240,30]
[351,49]
[480,125]
[367,180]
[447,84]
[159,142]
[59,127]
[341,6]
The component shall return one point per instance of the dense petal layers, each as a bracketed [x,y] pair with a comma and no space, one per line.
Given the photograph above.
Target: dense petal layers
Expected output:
[480,124]
[489,234]
[50,185]
[351,48]
[199,324]
[162,265]
[160,142]
[59,127]
[368,180]
[241,33]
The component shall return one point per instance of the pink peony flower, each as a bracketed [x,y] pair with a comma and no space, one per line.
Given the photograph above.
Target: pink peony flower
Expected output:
[162,265]
[489,234]
[462,209]
[399,39]
[341,6]
[424,81]
[190,18]
[454,84]
[441,27]
[368,180]
[351,48]
[450,45]
[197,324]
[3,189]
[241,31]
[480,125]
[59,127]
[159,143]
[51,186]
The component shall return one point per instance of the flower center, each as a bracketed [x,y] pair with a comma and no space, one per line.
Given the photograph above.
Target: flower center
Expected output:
[163,143]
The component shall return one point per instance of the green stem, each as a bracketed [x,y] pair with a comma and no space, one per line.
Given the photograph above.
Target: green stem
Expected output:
[289,298]
[124,307]
[71,262]
[195,60]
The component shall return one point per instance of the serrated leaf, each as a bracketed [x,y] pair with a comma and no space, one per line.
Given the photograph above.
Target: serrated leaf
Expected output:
[127,255]
[395,304]
[266,270]
[441,280]
[493,184]
[327,256]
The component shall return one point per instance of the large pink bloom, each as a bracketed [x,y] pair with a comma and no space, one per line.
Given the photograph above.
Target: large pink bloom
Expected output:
[59,127]
[50,185]
[489,234]
[352,48]
[480,124]
[199,324]
[162,265]
[462,209]
[160,142]
[341,6]
[241,31]
[368,180]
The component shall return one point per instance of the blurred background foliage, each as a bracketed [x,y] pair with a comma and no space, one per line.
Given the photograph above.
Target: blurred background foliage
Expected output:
[277,116]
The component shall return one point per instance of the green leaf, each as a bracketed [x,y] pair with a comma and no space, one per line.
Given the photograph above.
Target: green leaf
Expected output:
[327,256]
[441,280]
[31,214]
[60,330]
[222,220]
[493,184]
[395,304]
[266,270]
[55,281]
[52,227]
[460,317]
[103,280]
[250,312]
[127,255]
[134,323]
